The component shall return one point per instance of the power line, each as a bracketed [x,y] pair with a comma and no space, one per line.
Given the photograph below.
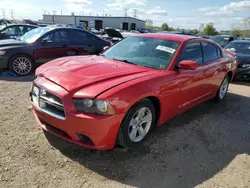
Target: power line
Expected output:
[12,14]
[125,12]
[3,11]
[135,13]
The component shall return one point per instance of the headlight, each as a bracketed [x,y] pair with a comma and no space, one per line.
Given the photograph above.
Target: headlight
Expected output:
[2,52]
[94,106]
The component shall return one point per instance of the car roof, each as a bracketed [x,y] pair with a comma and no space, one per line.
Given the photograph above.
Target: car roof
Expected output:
[167,36]
[19,25]
[8,25]
[241,41]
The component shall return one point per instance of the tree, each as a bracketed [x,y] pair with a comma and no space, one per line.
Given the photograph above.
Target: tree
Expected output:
[209,29]
[149,24]
[236,32]
[165,27]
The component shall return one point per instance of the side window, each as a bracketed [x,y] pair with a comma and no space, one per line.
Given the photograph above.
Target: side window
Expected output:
[210,52]
[192,51]
[14,31]
[79,36]
[59,36]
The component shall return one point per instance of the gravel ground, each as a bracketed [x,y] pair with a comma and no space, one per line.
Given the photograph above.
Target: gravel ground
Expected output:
[208,146]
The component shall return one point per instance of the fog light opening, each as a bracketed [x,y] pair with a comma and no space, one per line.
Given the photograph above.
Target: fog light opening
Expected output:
[84,139]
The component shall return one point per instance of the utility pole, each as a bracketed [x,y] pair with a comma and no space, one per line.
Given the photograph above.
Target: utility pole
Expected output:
[12,14]
[135,13]
[44,12]
[125,12]
[3,11]
[61,12]
[54,12]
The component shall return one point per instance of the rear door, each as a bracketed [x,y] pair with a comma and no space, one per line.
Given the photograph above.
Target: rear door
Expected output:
[53,45]
[86,43]
[213,63]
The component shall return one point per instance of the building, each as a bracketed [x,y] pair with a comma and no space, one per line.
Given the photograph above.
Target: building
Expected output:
[97,22]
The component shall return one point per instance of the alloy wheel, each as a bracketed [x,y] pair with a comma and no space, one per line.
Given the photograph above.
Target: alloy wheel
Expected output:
[140,124]
[22,65]
[223,88]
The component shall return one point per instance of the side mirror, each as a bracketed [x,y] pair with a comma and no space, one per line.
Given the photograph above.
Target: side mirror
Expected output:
[105,48]
[188,65]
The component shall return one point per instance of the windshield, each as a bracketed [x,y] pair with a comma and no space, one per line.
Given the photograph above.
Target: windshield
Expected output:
[237,47]
[34,34]
[144,51]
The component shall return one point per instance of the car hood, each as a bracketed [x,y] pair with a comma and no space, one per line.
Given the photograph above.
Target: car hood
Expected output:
[76,73]
[11,42]
[113,33]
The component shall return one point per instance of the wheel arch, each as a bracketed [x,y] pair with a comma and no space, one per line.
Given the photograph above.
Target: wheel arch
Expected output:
[230,74]
[26,54]
[157,104]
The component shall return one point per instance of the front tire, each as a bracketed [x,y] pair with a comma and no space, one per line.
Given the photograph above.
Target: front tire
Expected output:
[21,65]
[222,92]
[137,124]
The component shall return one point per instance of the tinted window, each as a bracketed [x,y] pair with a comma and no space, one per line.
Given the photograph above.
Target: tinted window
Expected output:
[58,36]
[78,36]
[209,52]
[15,30]
[192,51]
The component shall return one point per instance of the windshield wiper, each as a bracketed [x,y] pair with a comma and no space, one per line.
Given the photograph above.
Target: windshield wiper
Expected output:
[125,61]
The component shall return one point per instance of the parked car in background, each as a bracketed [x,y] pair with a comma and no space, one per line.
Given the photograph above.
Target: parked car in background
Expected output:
[134,31]
[222,40]
[176,32]
[118,97]
[242,50]
[12,31]
[46,43]
[114,35]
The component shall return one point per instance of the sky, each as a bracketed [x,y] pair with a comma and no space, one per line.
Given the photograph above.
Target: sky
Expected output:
[188,14]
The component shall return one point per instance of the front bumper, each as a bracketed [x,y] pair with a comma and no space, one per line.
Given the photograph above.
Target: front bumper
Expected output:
[92,131]
[3,62]
[243,74]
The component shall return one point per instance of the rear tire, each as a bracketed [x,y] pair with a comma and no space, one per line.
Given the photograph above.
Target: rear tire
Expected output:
[137,124]
[21,65]
[222,92]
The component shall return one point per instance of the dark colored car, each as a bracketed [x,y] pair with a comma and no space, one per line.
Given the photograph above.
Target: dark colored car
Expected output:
[46,43]
[242,50]
[222,40]
[13,31]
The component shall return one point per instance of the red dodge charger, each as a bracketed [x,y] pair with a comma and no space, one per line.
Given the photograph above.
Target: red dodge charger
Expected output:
[118,97]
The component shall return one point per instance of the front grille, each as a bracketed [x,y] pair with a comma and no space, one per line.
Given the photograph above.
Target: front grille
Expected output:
[48,102]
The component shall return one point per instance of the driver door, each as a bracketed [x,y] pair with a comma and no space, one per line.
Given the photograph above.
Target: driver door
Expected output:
[193,84]
[53,45]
